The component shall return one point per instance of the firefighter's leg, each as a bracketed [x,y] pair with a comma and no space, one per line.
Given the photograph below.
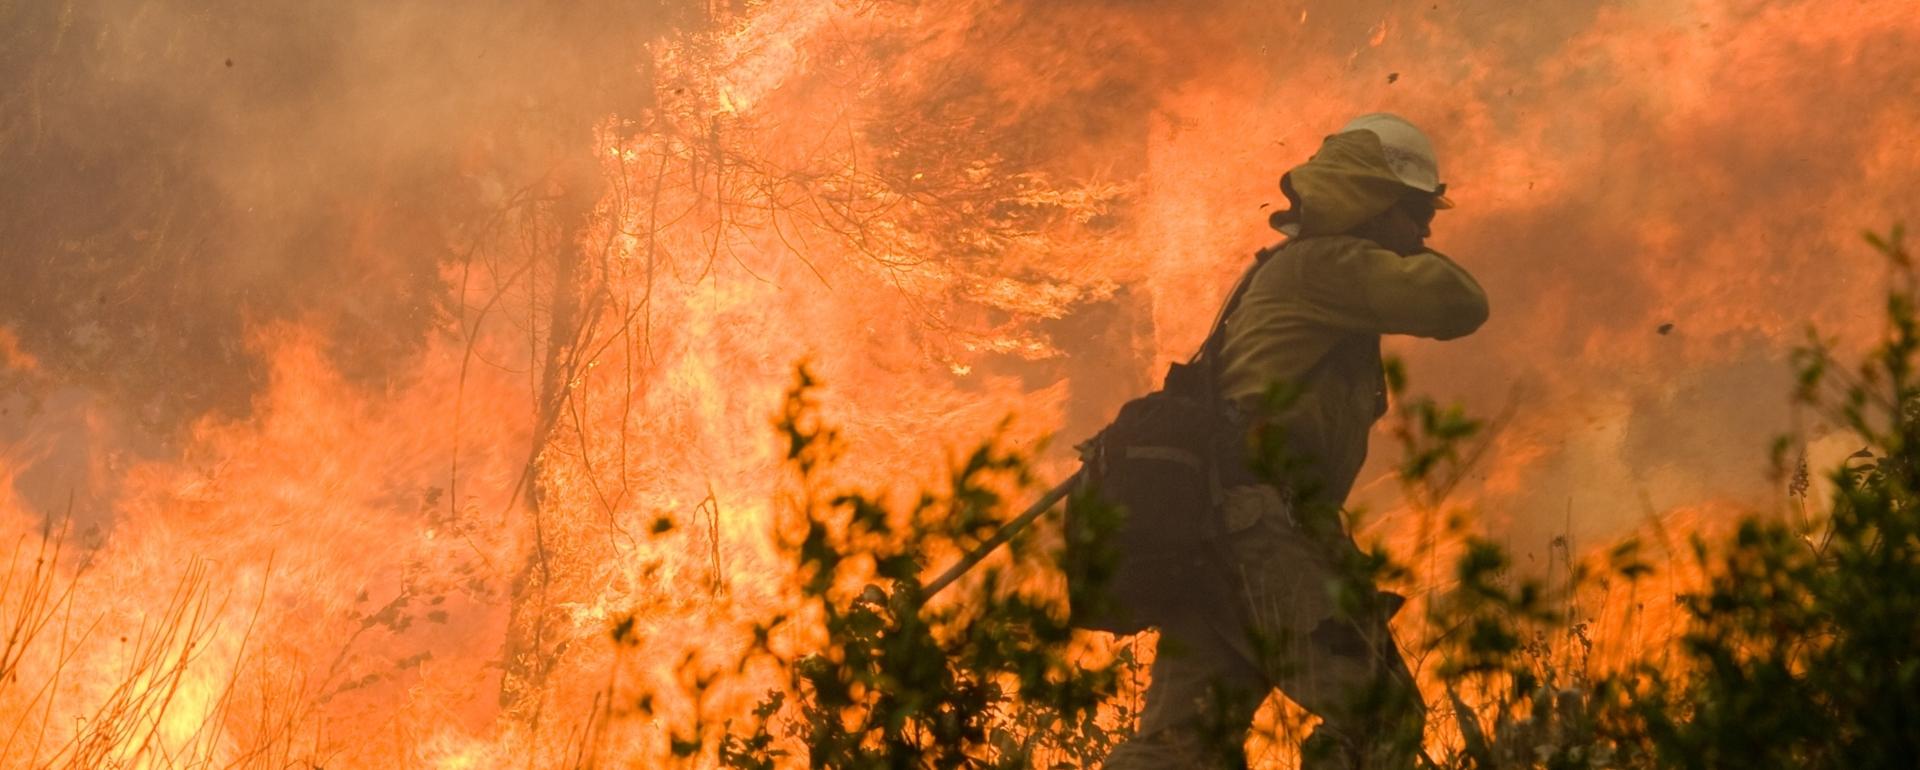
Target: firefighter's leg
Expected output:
[1199,704]
[1353,678]
[1344,670]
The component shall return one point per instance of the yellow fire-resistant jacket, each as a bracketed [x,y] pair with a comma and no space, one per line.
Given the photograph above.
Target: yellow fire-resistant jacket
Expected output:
[1313,316]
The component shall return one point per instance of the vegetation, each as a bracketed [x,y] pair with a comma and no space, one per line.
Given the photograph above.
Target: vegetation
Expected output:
[1802,643]
[900,682]
[1801,646]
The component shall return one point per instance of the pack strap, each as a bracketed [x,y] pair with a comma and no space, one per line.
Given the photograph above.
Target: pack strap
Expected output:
[1171,454]
[1217,335]
[1208,353]
[1207,358]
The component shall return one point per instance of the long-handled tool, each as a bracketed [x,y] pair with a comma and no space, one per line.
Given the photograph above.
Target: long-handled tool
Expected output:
[1000,537]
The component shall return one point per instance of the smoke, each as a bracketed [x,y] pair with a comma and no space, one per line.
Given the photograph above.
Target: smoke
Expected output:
[178,172]
[179,176]
[1671,196]
[1659,197]
[313,254]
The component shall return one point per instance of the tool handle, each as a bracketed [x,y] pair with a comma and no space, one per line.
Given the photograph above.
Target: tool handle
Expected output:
[1000,538]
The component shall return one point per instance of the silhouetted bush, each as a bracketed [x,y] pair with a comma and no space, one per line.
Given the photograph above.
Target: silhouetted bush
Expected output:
[1800,646]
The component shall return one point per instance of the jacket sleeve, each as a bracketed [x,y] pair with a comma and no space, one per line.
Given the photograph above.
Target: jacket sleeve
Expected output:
[1370,289]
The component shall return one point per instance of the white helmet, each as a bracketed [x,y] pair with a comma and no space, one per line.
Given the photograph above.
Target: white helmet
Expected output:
[1408,152]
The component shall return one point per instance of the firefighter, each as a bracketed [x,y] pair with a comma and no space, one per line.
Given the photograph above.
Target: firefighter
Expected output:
[1300,367]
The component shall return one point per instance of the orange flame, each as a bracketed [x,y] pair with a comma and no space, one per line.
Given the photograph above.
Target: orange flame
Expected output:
[955,212]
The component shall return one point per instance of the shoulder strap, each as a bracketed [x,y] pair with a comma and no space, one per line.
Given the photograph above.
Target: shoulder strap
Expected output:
[1207,358]
[1209,351]
[1197,373]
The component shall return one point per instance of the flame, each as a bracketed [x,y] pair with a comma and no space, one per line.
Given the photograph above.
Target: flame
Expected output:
[13,358]
[954,212]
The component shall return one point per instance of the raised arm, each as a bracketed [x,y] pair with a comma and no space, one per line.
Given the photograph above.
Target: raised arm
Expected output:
[1375,290]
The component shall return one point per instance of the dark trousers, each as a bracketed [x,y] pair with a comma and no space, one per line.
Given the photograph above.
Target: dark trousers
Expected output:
[1218,661]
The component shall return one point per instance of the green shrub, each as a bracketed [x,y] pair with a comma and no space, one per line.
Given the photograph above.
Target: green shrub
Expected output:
[1801,646]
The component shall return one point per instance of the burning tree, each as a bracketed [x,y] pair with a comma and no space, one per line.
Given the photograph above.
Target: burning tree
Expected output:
[374,364]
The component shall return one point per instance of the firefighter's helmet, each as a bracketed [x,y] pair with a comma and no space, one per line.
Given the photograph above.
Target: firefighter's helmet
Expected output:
[1408,151]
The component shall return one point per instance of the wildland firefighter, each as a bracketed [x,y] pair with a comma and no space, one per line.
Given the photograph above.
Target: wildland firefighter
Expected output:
[1271,592]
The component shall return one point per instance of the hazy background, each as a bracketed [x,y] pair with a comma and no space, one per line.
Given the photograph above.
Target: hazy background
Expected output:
[219,221]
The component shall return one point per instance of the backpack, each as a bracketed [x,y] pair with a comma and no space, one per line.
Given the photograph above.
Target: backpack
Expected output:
[1144,526]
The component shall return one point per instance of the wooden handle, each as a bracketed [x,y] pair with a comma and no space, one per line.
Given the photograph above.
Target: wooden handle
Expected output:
[1000,538]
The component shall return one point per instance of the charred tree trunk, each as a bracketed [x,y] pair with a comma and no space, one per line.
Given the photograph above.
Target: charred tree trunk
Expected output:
[535,637]
[612,71]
